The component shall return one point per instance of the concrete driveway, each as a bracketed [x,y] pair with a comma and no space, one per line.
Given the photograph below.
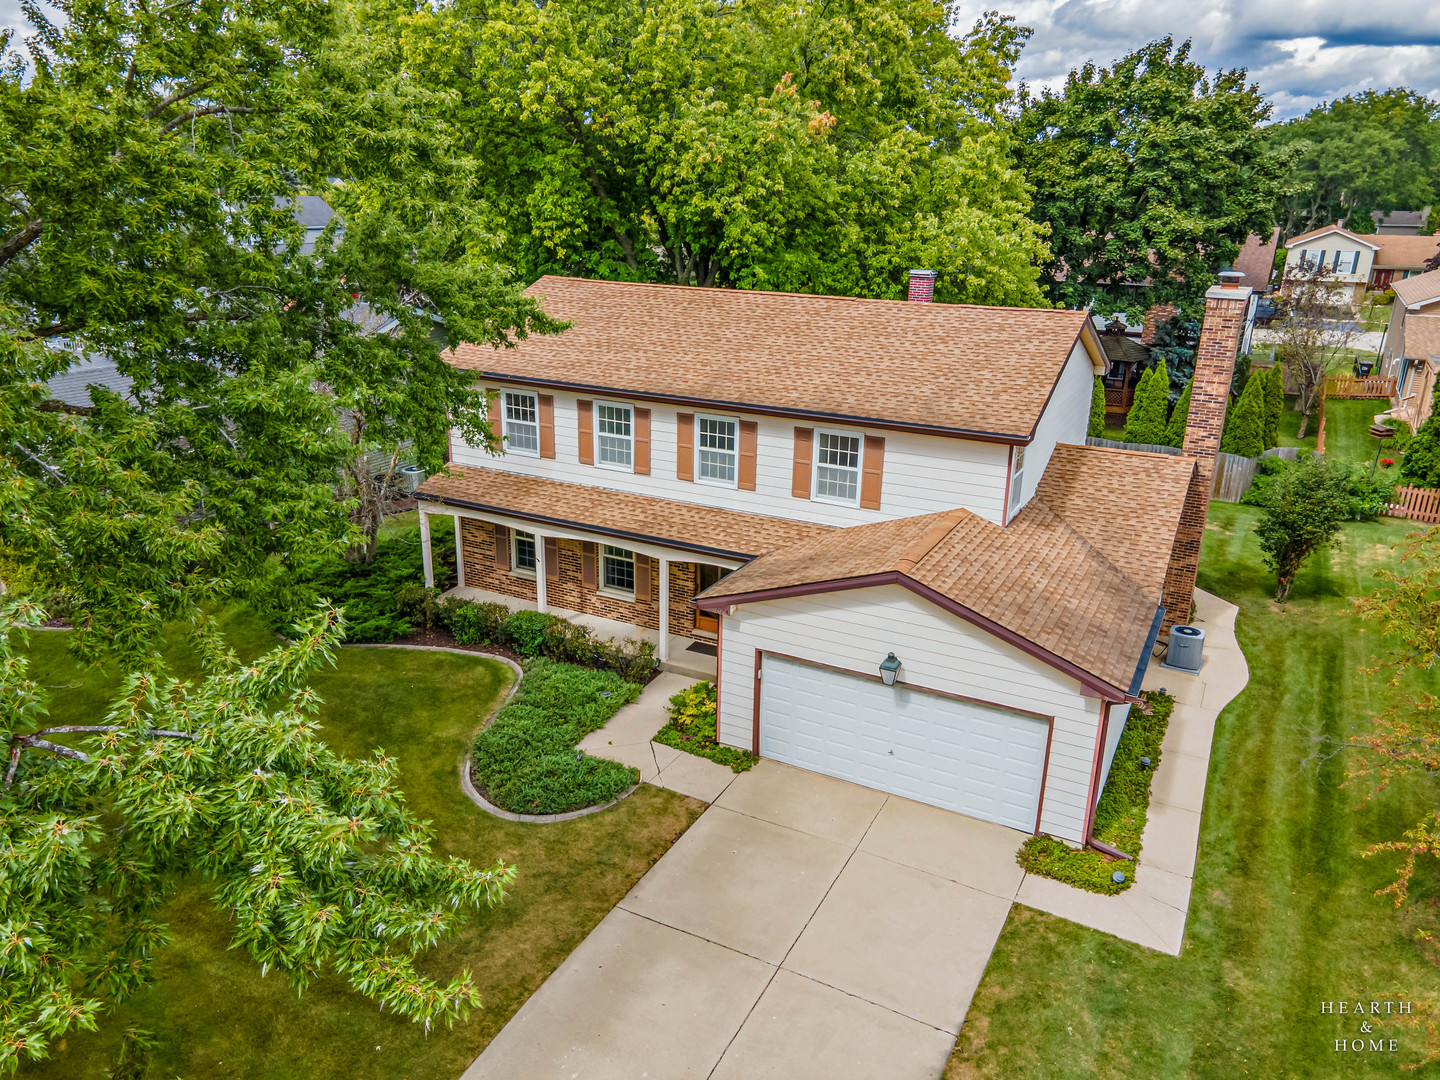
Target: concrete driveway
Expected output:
[803,927]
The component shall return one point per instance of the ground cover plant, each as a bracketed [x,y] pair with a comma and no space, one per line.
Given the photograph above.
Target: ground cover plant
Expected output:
[210,1010]
[1283,913]
[525,761]
[1119,816]
[692,728]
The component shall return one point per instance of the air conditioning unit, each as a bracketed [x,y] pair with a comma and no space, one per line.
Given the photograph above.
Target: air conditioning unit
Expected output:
[1186,645]
[411,477]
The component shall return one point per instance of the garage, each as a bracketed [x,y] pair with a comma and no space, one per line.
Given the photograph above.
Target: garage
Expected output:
[974,759]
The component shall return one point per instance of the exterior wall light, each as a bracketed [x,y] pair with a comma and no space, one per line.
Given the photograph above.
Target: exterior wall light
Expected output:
[889,668]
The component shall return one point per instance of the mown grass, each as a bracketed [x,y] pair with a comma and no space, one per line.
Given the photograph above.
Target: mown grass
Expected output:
[1283,914]
[214,1014]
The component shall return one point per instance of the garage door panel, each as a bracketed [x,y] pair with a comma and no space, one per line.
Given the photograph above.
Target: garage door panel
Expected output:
[975,759]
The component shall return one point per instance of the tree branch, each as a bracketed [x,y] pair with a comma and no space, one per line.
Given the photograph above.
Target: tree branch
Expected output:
[209,110]
[179,95]
[20,241]
[37,741]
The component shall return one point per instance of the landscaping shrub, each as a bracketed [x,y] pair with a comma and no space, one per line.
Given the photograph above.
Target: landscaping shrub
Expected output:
[534,634]
[1175,429]
[1370,496]
[526,761]
[1096,429]
[418,606]
[1245,425]
[525,631]
[692,728]
[1274,405]
[1149,412]
[1120,814]
[1266,470]
[473,623]
[1421,464]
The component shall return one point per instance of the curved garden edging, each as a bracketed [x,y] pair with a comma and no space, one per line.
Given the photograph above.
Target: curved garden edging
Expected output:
[466,784]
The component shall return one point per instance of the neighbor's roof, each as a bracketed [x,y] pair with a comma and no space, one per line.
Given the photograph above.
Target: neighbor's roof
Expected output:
[616,513]
[1408,252]
[1401,219]
[1422,337]
[1314,233]
[72,386]
[1044,578]
[1124,349]
[945,368]
[1257,259]
[1418,289]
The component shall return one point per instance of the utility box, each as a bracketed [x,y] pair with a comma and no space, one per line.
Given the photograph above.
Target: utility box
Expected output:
[1186,645]
[411,477]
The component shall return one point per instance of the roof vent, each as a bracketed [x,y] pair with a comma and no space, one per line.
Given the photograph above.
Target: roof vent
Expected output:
[922,286]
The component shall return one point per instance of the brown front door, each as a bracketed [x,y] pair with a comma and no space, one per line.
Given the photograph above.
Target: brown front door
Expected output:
[705,576]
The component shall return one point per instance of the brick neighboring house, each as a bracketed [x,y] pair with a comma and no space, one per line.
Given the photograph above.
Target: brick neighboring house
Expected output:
[879,516]
[1411,352]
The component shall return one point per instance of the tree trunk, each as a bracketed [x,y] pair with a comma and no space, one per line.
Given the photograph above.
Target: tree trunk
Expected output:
[1282,587]
[1304,423]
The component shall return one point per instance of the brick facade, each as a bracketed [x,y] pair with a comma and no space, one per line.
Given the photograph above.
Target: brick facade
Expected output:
[1160,313]
[1209,396]
[483,570]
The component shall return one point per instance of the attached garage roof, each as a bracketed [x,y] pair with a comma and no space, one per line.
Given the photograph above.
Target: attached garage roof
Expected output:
[959,369]
[1406,252]
[617,513]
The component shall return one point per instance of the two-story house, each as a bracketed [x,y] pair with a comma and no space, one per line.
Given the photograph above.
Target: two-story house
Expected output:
[881,515]
[1411,350]
[1348,257]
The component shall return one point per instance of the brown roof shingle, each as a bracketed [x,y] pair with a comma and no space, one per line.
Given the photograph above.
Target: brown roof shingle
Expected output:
[1257,259]
[940,367]
[1418,289]
[1422,337]
[617,513]
[1408,252]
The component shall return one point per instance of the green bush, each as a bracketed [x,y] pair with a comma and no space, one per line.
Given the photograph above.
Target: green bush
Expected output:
[1403,435]
[1175,429]
[533,634]
[1245,426]
[692,728]
[524,631]
[1120,814]
[1421,464]
[472,623]
[1370,496]
[1274,406]
[1149,412]
[1097,410]
[418,606]
[1266,471]
[526,761]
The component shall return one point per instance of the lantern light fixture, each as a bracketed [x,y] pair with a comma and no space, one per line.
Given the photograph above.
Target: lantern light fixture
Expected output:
[889,668]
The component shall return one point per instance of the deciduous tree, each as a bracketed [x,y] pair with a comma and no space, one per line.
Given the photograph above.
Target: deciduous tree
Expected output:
[1302,510]
[1314,333]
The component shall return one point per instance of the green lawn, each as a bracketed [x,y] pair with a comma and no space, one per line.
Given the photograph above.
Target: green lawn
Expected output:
[1347,429]
[215,1015]
[1283,914]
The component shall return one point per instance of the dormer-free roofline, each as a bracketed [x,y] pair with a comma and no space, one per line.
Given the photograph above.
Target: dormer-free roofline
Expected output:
[1327,230]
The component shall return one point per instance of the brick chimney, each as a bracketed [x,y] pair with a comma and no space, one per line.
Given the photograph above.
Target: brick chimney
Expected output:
[922,286]
[1160,313]
[1209,394]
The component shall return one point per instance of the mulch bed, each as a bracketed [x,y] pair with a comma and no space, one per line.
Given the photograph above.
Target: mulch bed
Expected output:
[440,638]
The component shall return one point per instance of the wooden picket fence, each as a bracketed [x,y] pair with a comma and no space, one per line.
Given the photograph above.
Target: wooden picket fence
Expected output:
[1417,504]
[1352,386]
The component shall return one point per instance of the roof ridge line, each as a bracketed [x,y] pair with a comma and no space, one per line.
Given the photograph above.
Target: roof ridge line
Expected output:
[1087,544]
[919,548]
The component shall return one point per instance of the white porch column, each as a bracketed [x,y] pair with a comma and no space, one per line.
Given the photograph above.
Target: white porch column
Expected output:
[540,604]
[459,554]
[425,549]
[663,652]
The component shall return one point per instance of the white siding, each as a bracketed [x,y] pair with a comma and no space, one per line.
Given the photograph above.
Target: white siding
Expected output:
[854,629]
[923,473]
[1066,419]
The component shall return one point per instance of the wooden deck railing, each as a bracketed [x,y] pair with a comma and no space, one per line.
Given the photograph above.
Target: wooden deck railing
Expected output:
[1417,504]
[1351,386]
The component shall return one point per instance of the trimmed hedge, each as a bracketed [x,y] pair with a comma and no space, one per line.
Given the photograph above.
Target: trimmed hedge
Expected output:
[692,728]
[534,634]
[1120,815]
[526,761]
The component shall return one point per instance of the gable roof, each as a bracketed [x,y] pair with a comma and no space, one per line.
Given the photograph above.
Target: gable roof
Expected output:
[1042,580]
[1406,252]
[1124,349]
[1418,289]
[1257,259]
[1422,337]
[1316,233]
[949,369]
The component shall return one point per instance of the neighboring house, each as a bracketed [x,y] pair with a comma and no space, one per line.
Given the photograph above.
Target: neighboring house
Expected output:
[1411,352]
[1257,260]
[1400,222]
[831,493]
[1402,257]
[1349,257]
[1126,358]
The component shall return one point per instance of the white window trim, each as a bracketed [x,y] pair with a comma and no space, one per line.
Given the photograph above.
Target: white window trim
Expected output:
[505,423]
[595,435]
[1015,496]
[515,567]
[815,467]
[610,590]
[733,482]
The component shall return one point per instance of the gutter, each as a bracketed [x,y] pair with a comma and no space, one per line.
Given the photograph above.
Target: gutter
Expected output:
[1145,654]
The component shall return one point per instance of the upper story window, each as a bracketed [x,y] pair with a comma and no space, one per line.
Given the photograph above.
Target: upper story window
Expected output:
[715,450]
[1310,258]
[522,423]
[837,467]
[614,436]
[617,569]
[1345,262]
[522,554]
[1017,480]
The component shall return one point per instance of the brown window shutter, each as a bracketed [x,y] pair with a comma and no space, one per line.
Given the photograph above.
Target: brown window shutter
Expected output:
[872,473]
[584,412]
[552,559]
[749,436]
[587,565]
[502,547]
[804,455]
[642,577]
[642,441]
[685,446]
[547,424]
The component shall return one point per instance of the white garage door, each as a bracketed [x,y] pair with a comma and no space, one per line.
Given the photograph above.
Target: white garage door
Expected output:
[974,759]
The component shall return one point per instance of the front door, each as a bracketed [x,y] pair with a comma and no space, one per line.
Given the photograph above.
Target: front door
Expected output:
[706,622]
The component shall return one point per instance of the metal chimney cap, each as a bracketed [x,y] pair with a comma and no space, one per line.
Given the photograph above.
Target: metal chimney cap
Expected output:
[1229,279]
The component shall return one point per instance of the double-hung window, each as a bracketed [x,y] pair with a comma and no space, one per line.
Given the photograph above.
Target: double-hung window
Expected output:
[715,453]
[1017,481]
[1345,262]
[614,436]
[617,569]
[522,556]
[522,423]
[837,467]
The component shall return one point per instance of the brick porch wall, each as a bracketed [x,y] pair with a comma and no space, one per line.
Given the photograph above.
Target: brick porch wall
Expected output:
[481,572]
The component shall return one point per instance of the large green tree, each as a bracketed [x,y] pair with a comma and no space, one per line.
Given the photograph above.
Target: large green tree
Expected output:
[151,157]
[1150,175]
[1302,510]
[769,144]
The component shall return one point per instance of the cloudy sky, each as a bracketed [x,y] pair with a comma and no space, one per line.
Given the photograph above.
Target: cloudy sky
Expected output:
[1302,52]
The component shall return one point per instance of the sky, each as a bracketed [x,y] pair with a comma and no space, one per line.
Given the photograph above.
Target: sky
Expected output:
[1301,52]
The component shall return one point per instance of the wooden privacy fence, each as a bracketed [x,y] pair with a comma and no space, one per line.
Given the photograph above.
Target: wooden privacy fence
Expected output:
[1417,504]
[1115,444]
[1352,386]
[1233,474]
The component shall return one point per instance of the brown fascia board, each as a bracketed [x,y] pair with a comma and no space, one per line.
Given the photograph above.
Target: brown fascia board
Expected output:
[1098,686]
[763,410]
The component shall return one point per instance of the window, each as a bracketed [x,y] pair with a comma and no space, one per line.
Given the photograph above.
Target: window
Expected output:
[617,569]
[1345,262]
[837,467]
[1310,258]
[522,556]
[715,450]
[522,424]
[1017,480]
[614,437]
